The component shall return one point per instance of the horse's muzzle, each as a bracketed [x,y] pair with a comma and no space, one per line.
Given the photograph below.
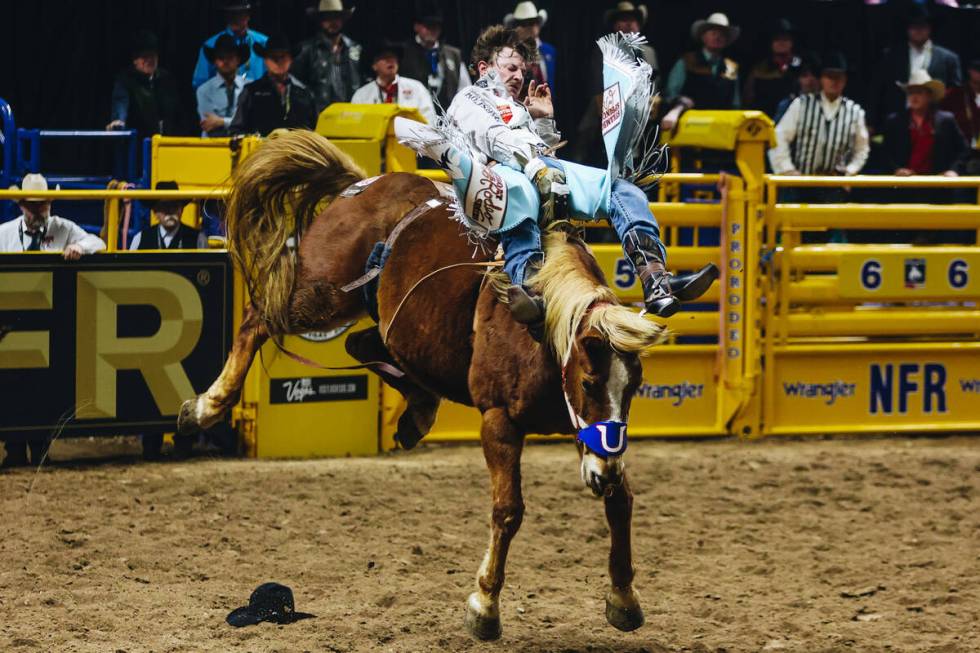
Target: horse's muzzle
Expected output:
[602,476]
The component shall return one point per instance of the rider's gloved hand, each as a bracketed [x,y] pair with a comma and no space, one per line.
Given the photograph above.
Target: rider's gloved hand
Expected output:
[550,183]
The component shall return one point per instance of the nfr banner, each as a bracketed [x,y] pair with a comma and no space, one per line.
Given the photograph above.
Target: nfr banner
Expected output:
[110,344]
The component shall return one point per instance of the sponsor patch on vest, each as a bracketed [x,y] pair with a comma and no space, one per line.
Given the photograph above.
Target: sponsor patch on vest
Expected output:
[612,108]
[506,114]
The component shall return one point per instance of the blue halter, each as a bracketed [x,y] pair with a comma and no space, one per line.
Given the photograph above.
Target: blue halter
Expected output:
[604,439]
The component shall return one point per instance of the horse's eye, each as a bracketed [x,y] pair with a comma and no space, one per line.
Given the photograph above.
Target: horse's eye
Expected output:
[587,385]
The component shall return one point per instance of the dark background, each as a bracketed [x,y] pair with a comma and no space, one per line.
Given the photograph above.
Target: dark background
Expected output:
[62,55]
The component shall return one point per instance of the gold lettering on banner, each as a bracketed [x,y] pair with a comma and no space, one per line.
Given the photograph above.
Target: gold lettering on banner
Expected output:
[26,291]
[100,354]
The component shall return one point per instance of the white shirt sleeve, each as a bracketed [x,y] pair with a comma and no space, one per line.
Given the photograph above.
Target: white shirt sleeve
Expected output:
[779,156]
[426,108]
[861,147]
[475,112]
[202,240]
[363,95]
[464,77]
[135,243]
[89,243]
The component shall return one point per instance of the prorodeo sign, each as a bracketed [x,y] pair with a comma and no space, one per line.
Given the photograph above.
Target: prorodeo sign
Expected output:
[111,343]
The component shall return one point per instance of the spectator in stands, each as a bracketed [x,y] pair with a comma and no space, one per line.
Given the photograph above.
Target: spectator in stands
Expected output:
[919,52]
[628,18]
[217,98]
[528,20]
[36,230]
[964,103]
[436,64]
[804,70]
[169,232]
[772,79]
[277,99]
[145,96]
[704,79]
[329,63]
[921,139]
[237,16]
[822,133]
[389,87]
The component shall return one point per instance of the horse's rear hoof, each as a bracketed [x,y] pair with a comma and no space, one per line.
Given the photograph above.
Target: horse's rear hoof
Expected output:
[621,618]
[483,628]
[187,423]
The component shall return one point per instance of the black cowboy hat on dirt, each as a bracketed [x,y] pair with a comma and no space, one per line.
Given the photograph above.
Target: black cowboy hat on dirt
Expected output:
[269,602]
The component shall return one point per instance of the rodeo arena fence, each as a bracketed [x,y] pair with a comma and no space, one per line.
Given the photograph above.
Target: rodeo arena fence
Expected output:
[796,337]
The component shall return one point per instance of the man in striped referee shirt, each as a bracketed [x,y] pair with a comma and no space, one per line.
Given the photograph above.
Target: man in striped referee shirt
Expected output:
[822,133]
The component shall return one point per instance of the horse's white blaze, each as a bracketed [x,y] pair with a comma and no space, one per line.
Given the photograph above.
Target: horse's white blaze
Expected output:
[619,376]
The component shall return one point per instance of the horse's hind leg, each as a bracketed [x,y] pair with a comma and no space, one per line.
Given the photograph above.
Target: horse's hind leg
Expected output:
[502,445]
[204,410]
[622,603]
[367,346]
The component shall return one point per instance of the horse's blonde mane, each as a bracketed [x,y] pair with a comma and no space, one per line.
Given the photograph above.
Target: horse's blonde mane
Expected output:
[569,292]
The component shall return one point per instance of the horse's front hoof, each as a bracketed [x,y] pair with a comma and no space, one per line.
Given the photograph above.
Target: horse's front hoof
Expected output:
[624,618]
[187,423]
[482,627]
[408,434]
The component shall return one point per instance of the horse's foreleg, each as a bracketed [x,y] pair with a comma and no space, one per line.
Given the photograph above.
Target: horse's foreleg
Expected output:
[502,445]
[204,410]
[622,602]
[420,414]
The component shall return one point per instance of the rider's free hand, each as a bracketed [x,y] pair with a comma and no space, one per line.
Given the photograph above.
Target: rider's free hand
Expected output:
[538,101]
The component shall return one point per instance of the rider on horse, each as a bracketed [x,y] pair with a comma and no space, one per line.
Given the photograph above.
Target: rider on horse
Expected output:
[494,125]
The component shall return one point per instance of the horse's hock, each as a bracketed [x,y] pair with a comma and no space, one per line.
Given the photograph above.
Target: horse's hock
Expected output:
[794,338]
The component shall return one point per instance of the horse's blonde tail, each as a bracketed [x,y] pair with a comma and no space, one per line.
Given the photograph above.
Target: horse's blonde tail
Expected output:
[276,193]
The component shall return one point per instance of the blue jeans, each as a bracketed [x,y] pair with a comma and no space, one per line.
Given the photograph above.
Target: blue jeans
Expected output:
[629,211]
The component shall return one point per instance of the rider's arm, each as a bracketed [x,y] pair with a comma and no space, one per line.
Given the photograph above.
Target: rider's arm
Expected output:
[476,114]
[547,131]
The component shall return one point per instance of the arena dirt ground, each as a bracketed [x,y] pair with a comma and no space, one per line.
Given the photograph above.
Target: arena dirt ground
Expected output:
[803,545]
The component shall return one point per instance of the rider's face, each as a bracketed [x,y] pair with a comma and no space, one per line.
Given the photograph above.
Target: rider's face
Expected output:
[510,68]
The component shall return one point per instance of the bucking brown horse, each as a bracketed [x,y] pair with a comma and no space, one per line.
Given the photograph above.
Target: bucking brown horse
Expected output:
[443,324]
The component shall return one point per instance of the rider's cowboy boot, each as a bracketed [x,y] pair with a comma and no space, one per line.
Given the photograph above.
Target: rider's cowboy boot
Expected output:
[528,309]
[648,262]
[688,287]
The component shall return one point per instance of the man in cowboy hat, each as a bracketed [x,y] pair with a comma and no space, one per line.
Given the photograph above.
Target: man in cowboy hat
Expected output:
[36,230]
[144,96]
[217,98]
[330,63]
[822,134]
[277,99]
[704,79]
[918,52]
[436,64]
[921,139]
[804,71]
[964,103]
[388,87]
[772,79]
[528,20]
[169,232]
[237,14]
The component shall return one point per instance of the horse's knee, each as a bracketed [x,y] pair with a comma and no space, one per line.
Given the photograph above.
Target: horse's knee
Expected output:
[508,517]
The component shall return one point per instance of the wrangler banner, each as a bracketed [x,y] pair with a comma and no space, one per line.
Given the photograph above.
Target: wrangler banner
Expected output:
[112,343]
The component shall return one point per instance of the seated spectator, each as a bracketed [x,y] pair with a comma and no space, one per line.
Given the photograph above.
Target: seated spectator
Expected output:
[822,134]
[329,63]
[217,98]
[920,139]
[964,103]
[277,99]
[145,96]
[237,16]
[704,79]
[804,71]
[388,87]
[772,79]
[528,20]
[36,230]
[169,232]
[919,52]
[437,65]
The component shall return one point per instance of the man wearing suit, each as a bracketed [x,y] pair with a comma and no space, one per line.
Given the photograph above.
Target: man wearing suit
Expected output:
[919,52]
[438,65]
